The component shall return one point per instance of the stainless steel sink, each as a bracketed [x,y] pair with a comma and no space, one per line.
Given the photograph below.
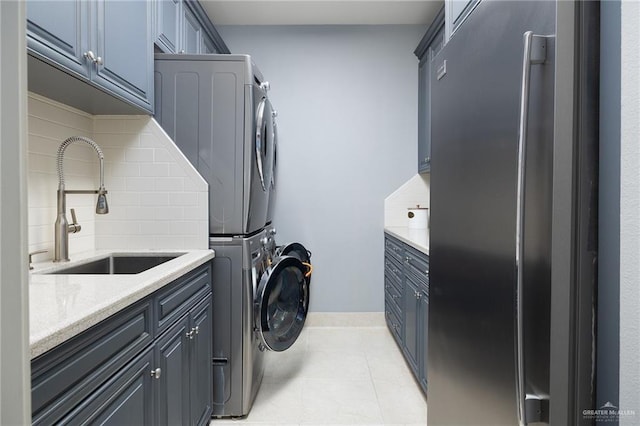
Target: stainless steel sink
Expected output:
[117,264]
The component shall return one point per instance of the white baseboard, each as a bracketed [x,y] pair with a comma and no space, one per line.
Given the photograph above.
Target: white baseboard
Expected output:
[345,319]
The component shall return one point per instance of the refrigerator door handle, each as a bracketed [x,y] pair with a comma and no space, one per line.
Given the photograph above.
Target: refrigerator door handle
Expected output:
[534,53]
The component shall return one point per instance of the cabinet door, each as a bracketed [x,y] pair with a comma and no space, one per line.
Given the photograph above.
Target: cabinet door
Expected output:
[124,44]
[173,389]
[207,46]
[411,319]
[167,22]
[191,32]
[424,340]
[126,399]
[424,115]
[58,31]
[201,367]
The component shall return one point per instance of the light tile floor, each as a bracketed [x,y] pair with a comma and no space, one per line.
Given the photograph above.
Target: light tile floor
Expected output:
[334,376]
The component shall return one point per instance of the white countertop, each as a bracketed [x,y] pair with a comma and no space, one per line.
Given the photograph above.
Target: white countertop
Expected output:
[416,238]
[62,306]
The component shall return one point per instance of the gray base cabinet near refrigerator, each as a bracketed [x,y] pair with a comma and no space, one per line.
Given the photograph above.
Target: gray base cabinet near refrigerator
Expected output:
[149,364]
[406,283]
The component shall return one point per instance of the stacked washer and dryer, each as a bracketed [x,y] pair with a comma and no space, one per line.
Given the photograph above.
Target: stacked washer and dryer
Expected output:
[216,109]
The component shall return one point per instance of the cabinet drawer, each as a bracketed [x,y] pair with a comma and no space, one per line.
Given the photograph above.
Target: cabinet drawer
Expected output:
[394,249]
[393,295]
[182,295]
[126,399]
[391,280]
[392,269]
[417,264]
[64,376]
[394,324]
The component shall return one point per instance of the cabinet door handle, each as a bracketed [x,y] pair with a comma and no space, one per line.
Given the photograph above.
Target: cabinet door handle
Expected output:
[196,329]
[93,58]
[189,334]
[156,373]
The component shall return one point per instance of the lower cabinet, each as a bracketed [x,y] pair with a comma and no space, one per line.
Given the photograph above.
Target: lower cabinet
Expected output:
[125,399]
[184,359]
[135,367]
[407,303]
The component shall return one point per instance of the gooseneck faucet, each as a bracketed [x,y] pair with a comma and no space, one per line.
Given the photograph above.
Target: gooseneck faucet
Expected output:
[62,226]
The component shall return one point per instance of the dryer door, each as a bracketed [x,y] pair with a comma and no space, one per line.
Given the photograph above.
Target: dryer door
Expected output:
[264,142]
[282,303]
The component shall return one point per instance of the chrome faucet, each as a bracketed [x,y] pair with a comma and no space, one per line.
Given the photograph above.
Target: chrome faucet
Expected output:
[62,227]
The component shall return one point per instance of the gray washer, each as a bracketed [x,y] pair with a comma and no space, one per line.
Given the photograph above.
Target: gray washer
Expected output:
[238,358]
[216,109]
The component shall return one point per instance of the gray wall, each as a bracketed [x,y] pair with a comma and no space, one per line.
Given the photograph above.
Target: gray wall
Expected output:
[347,124]
[15,401]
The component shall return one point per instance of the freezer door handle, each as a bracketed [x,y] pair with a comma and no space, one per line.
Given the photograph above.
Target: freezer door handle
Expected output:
[535,48]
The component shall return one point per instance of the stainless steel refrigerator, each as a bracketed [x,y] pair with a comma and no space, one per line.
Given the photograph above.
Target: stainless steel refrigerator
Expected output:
[498,186]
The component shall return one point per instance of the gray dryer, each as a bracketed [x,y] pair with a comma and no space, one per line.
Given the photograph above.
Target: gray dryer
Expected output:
[216,109]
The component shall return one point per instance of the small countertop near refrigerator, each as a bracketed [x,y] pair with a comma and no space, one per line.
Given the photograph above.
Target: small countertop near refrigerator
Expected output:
[62,306]
[416,238]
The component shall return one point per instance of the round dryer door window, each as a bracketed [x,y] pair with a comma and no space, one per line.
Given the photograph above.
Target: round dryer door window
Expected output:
[281,303]
[264,142]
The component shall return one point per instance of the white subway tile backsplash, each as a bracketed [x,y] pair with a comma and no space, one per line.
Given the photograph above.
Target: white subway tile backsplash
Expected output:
[156,198]
[140,213]
[176,171]
[183,228]
[169,213]
[140,155]
[139,184]
[187,199]
[154,170]
[412,193]
[154,228]
[169,184]
[162,156]
[108,124]
[123,169]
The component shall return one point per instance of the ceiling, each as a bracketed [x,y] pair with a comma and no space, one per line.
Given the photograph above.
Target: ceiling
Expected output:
[321,12]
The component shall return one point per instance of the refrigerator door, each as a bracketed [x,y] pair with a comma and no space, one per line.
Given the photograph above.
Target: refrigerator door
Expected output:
[472,377]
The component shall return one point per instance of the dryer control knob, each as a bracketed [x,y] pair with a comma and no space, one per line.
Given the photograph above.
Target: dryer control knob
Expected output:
[265,86]
[272,231]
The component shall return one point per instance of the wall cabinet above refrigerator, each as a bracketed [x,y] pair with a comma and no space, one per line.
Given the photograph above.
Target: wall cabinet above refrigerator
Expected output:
[429,46]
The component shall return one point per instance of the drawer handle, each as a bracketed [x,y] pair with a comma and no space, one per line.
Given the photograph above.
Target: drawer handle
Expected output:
[156,373]
[190,334]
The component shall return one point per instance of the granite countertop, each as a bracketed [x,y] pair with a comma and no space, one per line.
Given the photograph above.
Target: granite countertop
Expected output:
[62,306]
[416,238]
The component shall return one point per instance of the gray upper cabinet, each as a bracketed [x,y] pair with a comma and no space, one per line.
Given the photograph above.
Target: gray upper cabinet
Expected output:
[207,46]
[127,59]
[168,14]
[456,12]
[57,31]
[94,55]
[191,32]
[429,46]
[182,26]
